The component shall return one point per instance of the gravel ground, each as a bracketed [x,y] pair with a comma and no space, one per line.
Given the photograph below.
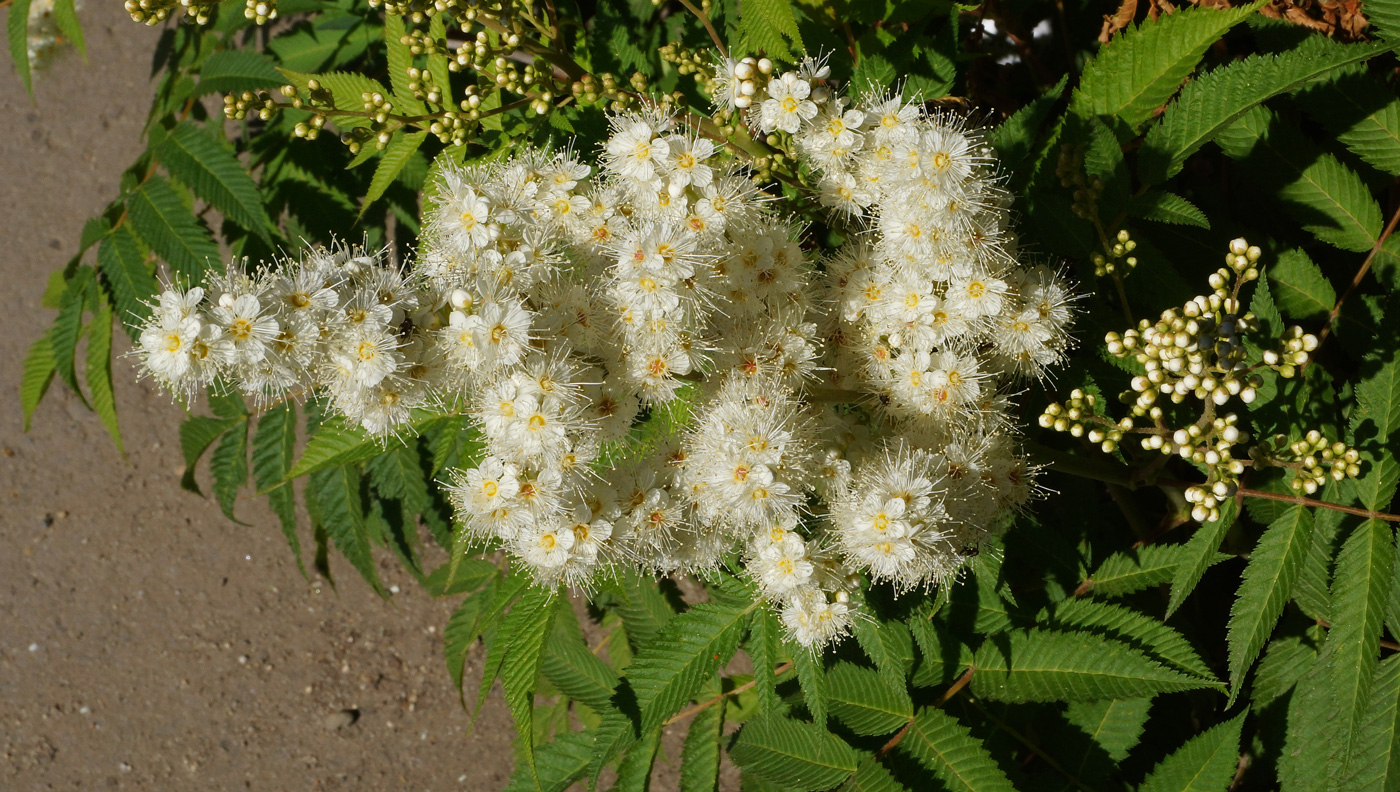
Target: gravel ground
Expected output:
[146,642]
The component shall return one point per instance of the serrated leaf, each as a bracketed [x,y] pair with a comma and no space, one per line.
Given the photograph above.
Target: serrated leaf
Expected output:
[229,464]
[872,776]
[400,60]
[1134,570]
[334,500]
[1165,207]
[1016,137]
[811,678]
[1285,662]
[347,90]
[1375,760]
[170,229]
[1040,665]
[942,656]
[398,473]
[1144,632]
[1328,198]
[38,373]
[123,266]
[215,174]
[1362,113]
[196,435]
[888,644]
[525,627]
[864,699]
[65,15]
[395,157]
[17,27]
[1206,763]
[700,755]
[558,764]
[764,644]
[1114,725]
[644,609]
[338,442]
[1374,429]
[1299,287]
[1313,589]
[462,630]
[571,667]
[68,328]
[1268,583]
[99,373]
[945,746]
[274,445]
[1200,553]
[437,59]
[634,771]
[1215,100]
[236,70]
[769,25]
[470,574]
[668,671]
[800,756]
[1137,72]
[1364,572]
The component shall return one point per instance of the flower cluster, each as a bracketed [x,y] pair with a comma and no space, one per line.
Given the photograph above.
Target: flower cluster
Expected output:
[662,374]
[1201,351]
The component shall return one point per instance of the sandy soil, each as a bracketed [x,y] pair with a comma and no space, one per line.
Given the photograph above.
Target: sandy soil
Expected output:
[146,642]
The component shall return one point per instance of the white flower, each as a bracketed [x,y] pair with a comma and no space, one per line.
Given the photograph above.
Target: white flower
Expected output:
[787,107]
[688,168]
[635,153]
[248,330]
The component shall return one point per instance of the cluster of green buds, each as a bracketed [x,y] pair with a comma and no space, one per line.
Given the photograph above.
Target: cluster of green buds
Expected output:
[1080,417]
[259,103]
[1198,352]
[1120,258]
[199,12]
[260,11]
[1310,461]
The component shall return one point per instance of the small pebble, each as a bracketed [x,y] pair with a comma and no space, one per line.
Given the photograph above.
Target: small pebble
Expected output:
[339,720]
[34,647]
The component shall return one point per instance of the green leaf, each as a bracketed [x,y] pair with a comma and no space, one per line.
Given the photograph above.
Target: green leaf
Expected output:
[634,771]
[1327,197]
[1165,207]
[437,59]
[765,24]
[1138,71]
[1375,762]
[398,473]
[215,175]
[168,226]
[1114,725]
[942,656]
[1385,15]
[1143,632]
[558,763]
[668,671]
[1213,101]
[236,70]
[334,500]
[1206,763]
[526,626]
[396,156]
[470,574]
[38,373]
[68,327]
[229,464]
[1364,572]
[1362,113]
[461,632]
[799,756]
[644,609]
[872,776]
[99,373]
[400,60]
[1268,583]
[942,744]
[1137,569]
[1200,553]
[1313,591]
[864,700]
[1039,665]
[347,90]
[700,755]
[889,644]
[1016,137]
[571,667]
[763,645]
[1374,428]
[17,26]
[811,677]
[123,265]
[65,15]
[338,442]
[1285,662]
[196,435]
[274,445]
[1299,287]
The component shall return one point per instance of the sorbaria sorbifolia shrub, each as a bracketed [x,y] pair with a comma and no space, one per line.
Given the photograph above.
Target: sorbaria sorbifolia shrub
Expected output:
[753,325]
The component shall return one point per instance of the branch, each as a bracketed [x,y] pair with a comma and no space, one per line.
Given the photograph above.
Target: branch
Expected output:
[709,26]
[952,691]
[1356,281]
[686,713]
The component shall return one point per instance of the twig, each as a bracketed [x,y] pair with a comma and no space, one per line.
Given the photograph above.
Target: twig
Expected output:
[947,695]
[709,26]
[686,713]
[1296,500]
